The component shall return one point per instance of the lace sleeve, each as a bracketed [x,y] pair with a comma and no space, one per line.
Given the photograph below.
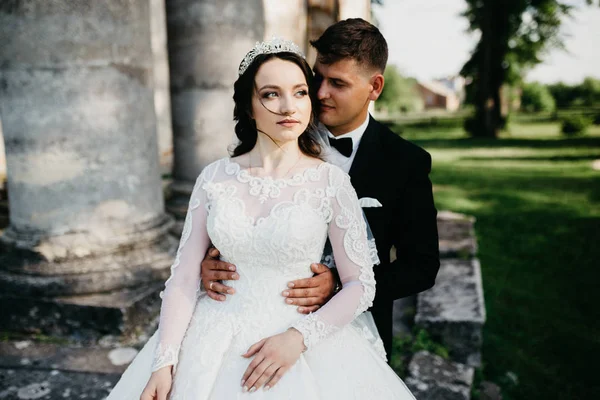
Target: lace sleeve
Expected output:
[354,261]
[181,289]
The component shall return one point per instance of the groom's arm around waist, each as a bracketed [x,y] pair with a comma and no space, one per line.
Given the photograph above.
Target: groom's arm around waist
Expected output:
[413,232]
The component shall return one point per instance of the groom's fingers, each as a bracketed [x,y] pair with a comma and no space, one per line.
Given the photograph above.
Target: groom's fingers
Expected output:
[304,301]
[318,268]
[215,296]
[304,283]
[301,293]
[307,310]
[220,288]
[218,271]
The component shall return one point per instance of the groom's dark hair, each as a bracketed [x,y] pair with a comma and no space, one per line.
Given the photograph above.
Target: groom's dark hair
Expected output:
[353,38]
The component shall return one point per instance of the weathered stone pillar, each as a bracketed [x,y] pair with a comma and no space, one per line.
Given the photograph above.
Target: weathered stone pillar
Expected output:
[355,9]
[320,15]
[162,92]
[2,155]
[3,194]
[287,19]
[207,40]
[86,205]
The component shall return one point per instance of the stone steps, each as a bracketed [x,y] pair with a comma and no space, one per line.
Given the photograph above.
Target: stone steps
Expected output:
[432,377]
[122,313]
[19,384]
[454,310]
[456,235]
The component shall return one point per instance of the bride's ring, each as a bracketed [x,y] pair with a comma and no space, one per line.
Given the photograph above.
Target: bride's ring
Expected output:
[210,286]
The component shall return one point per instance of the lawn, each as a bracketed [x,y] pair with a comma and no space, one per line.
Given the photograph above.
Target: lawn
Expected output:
[537,203]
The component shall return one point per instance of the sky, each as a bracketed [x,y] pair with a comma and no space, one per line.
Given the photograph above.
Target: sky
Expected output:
[427,39]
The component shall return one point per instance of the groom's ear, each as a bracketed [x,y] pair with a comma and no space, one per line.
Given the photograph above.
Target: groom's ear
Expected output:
[377,82]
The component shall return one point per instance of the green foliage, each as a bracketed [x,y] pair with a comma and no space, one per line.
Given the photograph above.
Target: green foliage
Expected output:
[585,94]
[597,119]
[405,346]
[423,341]
[564,95]
[399,93]
[478,378]
[575,125]
[590,91]
[536,97]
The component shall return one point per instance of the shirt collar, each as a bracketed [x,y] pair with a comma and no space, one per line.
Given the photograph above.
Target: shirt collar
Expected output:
[355,135]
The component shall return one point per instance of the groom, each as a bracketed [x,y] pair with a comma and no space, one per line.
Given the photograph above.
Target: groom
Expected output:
[352,55]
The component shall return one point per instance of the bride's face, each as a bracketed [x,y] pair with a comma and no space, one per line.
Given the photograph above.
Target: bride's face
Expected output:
[281,103]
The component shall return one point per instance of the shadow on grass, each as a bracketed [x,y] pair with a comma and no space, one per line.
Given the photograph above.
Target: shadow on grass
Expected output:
[551,158]
[464,143]
[539,254]
[538,231]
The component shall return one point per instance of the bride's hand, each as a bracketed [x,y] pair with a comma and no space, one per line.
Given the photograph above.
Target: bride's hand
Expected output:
[159,385]
[274,356]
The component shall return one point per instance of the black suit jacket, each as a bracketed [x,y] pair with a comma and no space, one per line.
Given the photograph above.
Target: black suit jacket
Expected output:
[396,172]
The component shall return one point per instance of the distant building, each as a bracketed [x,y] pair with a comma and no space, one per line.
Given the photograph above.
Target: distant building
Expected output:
[436,95]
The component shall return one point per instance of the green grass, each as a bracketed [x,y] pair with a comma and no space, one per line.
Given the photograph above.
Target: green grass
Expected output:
[537,203]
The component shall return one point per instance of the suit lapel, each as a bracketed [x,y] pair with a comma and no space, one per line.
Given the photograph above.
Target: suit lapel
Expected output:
[366,162]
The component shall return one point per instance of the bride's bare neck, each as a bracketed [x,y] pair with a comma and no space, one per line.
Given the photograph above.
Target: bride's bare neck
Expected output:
[271,155]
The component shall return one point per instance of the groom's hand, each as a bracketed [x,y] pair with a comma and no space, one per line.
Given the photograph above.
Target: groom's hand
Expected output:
[311,293]
[213,270]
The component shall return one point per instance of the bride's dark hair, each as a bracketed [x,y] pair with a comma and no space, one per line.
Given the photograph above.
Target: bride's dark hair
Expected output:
[243,90]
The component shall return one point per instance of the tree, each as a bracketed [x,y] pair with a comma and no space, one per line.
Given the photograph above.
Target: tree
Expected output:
[399,93]
[536,97]
[585,94]
[514,35]
[589,91]
[564,95]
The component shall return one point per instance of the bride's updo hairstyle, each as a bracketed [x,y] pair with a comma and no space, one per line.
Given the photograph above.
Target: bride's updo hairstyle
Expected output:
[245,87]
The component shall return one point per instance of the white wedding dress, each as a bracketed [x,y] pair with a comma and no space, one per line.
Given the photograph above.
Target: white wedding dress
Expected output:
[272,230]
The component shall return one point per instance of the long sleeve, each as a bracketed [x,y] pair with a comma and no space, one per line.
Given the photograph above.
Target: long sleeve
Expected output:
[181,289]
[415,237]
[353,257]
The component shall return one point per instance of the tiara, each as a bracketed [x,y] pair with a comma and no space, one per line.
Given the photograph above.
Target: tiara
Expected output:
[275,45]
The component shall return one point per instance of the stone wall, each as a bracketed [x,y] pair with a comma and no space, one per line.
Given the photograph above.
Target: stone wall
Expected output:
[453,312]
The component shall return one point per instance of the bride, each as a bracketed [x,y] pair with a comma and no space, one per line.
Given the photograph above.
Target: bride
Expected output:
[269,209]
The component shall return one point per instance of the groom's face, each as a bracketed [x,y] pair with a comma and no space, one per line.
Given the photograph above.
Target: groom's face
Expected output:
[343,91]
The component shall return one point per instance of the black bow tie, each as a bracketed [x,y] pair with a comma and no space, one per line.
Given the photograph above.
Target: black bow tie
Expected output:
[343,145]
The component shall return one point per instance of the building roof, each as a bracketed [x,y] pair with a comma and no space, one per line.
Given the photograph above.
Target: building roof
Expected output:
[438,88]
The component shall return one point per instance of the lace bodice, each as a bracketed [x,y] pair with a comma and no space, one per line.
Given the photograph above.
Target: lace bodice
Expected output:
[272,230]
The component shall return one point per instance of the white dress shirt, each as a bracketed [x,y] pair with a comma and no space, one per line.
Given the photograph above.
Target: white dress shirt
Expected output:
[332,155]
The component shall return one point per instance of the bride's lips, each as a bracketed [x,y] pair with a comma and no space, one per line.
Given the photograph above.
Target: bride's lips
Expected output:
[288,122]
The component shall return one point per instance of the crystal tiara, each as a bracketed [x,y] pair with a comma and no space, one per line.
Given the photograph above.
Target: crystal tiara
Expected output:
[275,45]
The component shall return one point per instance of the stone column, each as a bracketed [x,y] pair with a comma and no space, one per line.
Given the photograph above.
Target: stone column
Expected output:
[162,93]
[2,156]
[3,194]
[207,40]
[288,20]
[86,205]
[355,9]
[320,15]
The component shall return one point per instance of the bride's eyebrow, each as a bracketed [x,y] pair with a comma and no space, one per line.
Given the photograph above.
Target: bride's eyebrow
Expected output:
[277,87]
